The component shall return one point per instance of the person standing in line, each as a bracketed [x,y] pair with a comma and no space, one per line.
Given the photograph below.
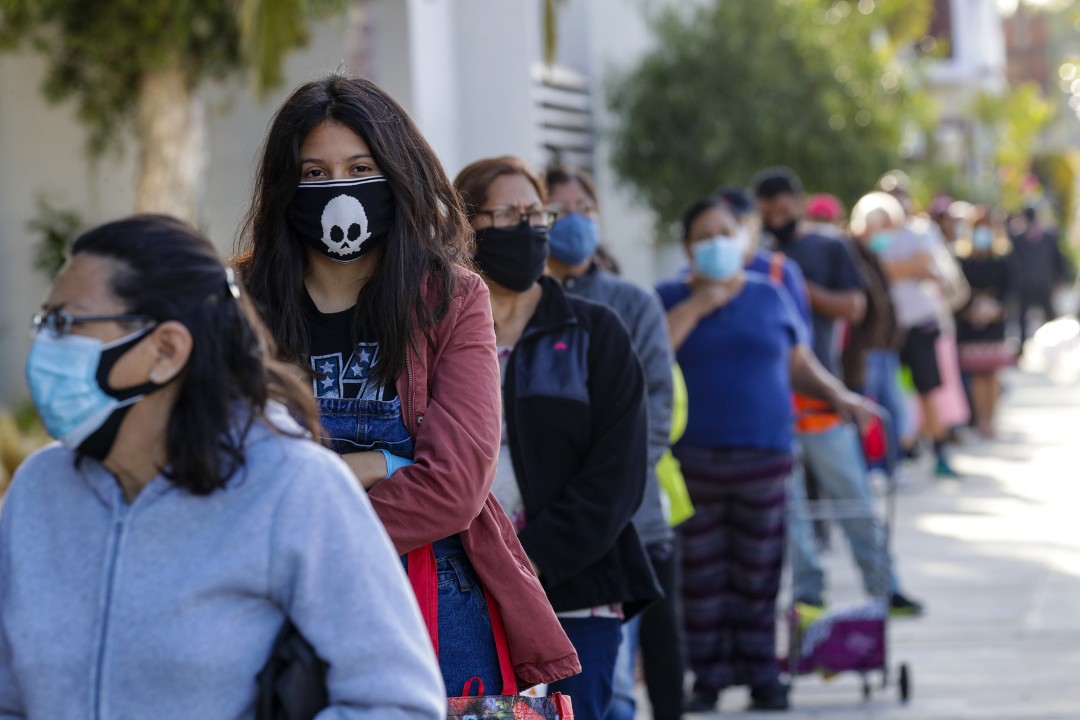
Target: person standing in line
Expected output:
[831,448]
[1037,268]
[742,348]
[354,251]
[980,325]
[571,469]
[916,284]
[871,357]
[153,555]
[574,240]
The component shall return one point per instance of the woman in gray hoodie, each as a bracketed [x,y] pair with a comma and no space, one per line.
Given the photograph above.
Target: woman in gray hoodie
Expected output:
[150,558]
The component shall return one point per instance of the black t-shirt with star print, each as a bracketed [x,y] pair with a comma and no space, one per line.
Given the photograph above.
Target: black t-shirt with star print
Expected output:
[342,368]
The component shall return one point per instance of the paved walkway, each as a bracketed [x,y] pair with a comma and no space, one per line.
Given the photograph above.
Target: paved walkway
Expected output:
[996,558]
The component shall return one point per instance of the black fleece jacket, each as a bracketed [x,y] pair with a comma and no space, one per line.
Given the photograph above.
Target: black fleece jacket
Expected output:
[576,420]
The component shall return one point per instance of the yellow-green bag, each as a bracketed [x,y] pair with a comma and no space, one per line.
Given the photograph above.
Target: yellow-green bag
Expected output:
[668,473]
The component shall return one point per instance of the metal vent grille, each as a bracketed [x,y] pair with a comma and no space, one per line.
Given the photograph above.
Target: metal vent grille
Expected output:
[564,117]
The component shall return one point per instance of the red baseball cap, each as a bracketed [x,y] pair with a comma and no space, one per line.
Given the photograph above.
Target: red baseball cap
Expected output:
[824,208]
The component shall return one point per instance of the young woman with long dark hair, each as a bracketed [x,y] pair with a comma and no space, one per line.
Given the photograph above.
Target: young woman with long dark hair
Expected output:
[354,251]
[151,558]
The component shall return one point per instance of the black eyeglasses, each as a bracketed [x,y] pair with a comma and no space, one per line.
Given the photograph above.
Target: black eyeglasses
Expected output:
[507,216]
[60,322]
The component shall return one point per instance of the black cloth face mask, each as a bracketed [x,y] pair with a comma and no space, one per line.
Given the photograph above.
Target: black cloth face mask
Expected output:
[513,257]
[784,234]
[343,219]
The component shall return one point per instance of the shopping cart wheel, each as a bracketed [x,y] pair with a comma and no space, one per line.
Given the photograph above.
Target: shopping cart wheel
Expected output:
[904,683]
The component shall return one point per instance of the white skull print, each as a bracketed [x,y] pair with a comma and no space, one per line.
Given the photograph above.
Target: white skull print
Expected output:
[344,225]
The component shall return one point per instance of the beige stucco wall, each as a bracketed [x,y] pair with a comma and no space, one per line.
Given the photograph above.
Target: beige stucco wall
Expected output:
[41,154]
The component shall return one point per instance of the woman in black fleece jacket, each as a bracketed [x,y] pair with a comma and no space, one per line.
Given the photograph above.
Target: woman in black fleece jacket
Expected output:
[571,472]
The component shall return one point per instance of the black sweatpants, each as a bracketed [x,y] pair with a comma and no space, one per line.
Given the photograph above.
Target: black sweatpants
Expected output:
[661,638]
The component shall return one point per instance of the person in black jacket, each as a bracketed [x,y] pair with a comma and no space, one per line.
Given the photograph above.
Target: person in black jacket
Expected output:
[571,471]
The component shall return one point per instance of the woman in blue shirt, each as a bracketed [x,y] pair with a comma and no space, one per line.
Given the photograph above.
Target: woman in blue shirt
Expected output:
[743,349]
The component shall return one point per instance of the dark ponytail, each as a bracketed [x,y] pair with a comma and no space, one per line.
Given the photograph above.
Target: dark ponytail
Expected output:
[168,271]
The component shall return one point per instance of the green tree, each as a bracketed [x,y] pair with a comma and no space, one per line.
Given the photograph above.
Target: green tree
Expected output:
[143,64]
[734,86]
[1015,119]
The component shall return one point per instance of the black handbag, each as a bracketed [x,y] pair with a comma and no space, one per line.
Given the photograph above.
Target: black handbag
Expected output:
[292,684]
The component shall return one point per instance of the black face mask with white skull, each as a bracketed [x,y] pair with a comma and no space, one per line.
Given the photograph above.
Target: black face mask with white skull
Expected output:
[343,219]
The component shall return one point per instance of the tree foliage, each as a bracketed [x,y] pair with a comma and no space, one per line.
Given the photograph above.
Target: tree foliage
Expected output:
[735,86]
[1015,119]
[97,50]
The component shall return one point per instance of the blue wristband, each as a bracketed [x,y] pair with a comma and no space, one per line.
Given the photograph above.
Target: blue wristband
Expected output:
[394,462]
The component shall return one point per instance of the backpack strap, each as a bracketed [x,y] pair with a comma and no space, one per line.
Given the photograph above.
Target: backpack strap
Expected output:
[776,268]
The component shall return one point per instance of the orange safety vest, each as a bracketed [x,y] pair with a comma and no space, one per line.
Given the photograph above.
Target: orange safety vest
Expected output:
[811,416]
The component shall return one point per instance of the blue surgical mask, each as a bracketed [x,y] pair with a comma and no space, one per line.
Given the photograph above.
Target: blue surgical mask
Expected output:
[982,238]
[68,378]
[880,242]
[720,257]
[574,238]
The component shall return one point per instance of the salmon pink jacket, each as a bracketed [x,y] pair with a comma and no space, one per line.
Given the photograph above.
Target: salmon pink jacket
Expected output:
[452,407]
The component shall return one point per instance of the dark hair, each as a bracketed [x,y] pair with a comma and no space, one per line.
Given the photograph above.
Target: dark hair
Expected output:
[702,206]
[429,236]
[166,270]
[738,200]
[559,175]
[776,181]
[474,182]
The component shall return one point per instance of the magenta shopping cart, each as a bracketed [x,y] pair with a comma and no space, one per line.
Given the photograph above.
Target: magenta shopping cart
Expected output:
[847,639]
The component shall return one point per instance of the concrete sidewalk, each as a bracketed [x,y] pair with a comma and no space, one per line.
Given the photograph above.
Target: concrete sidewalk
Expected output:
[996,558]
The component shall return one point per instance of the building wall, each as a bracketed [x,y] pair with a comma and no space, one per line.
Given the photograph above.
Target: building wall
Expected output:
[469,81]
[466,72]
[42,155]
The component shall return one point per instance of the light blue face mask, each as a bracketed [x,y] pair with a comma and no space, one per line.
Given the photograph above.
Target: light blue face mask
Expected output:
[574,238]
[982,238]
[880,242]
[68,378]
[718,258]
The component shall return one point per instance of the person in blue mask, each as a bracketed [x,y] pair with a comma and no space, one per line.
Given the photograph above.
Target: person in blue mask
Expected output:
[743,349]
[574,241]
[152,556]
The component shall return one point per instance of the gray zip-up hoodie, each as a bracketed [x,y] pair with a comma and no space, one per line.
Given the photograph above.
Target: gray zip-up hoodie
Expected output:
[641,311]
[168,607]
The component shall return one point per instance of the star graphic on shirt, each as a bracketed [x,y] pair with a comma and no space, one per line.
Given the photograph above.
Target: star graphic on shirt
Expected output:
[327,382]
[327,368]
[365,356]
[355,370]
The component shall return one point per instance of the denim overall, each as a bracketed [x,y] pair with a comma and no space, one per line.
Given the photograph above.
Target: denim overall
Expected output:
[466,642]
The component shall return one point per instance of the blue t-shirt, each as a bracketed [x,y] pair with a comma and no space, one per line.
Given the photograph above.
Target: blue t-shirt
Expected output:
[737,368]
[827,262]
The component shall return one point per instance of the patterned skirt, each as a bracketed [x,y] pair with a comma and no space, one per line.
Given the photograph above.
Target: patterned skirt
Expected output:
[734,550]
[986,356]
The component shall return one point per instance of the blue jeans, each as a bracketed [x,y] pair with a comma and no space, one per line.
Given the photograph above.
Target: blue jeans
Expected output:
[623,704]
[363,425]
[836,459]
[466,641]
[597,643]
[883,387]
